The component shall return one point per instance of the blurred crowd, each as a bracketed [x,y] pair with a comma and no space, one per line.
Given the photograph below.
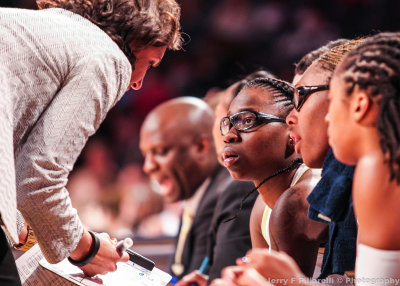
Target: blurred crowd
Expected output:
[225,40]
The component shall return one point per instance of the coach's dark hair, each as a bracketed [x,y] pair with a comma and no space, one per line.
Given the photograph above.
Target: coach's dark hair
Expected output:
[144,23]
[375,67]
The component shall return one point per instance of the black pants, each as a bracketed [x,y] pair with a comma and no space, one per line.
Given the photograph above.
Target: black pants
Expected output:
[8,271]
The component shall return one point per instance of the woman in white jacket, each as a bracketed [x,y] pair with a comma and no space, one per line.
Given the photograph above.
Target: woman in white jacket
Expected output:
[63,69]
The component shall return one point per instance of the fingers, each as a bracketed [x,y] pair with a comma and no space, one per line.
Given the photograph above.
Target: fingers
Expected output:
[222,282]
[114,241]
[273,264]
[124,257]
[92,270]
[187,280]
[106,258]
[243,260]
[194,277]
[258,258]
[104,235]
[258,253]
[251,277]
[232,273]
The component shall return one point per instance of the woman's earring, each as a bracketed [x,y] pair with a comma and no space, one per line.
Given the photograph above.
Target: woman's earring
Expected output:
[289,148]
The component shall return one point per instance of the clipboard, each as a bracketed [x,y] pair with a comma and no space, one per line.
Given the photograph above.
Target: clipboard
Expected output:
[126,274]
[35,270]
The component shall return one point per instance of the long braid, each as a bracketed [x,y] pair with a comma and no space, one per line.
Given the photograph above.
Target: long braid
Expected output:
[280,89]
[375,67]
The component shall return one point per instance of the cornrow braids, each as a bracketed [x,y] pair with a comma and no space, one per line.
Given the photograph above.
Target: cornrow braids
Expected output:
[332,58]
[252,76]
[142,23]
[281,90]
[375,67]
[309,58]
[214,95]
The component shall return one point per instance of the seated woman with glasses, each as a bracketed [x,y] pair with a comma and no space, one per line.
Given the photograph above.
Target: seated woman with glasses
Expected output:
[258,148]
[330,201]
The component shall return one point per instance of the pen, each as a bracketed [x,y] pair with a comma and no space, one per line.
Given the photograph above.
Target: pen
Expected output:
[123,245]
[202,268]
[140,260]
[204,265]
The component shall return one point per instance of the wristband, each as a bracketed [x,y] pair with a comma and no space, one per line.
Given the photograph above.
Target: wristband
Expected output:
[92,252]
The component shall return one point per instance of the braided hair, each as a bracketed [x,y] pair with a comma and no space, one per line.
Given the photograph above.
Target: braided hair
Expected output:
[250,77]
[309,58]
[214,97]
[333,57]
[281,90]
[144,23]
[375,67]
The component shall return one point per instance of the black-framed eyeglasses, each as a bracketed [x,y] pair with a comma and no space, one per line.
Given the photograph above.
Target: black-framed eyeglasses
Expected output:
[245,120]
[301,94]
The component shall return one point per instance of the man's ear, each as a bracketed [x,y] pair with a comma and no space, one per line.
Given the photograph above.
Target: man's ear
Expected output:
[364,110]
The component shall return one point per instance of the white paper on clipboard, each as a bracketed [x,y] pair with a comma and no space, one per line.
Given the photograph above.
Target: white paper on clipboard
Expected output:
[126,274]
[33,274]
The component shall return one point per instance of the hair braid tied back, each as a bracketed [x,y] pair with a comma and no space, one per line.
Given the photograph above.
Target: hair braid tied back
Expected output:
[375,67]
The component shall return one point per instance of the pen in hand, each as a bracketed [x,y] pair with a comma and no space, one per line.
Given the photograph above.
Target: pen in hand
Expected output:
[204,265]
[123,245]
[202,269]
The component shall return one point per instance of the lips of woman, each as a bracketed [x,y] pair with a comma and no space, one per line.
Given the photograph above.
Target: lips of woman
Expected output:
[229,159]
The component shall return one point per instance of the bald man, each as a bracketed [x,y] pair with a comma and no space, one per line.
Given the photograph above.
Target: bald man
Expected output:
[176,141]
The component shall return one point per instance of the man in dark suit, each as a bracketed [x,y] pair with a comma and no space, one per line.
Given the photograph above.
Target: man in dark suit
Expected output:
[230,232]
[176,141]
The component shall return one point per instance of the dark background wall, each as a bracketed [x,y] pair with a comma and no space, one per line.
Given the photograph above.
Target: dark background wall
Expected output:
[230,38]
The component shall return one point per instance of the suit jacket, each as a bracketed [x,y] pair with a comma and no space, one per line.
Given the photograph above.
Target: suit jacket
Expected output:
[229,240]
[209,236]
[61,74]
[195,247]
